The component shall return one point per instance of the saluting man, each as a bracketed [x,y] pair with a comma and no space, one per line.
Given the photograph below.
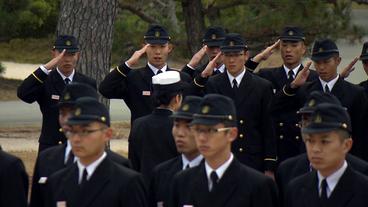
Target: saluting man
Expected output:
[46,84]
[134,86]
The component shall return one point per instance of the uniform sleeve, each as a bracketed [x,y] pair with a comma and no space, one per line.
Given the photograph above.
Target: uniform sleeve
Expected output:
[36,198]
[134,147]
[188,70]
[269,138]
[14,185]
[30,90]
[265,194]
[251,65]
[114,85]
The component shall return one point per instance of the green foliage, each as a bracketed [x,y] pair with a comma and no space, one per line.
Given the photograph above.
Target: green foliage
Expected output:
[27,18]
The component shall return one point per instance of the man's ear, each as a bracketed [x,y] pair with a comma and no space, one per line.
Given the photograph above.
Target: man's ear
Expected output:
[233,134]
[171,47]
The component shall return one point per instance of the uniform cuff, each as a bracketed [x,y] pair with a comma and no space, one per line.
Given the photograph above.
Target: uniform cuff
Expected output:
[123,69]
[200,81]
[189,66]
[289,91]
[42,67]
[270,164]
[251,65]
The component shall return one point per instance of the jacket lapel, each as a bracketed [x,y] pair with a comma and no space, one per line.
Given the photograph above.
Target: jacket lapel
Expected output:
[56,160]
[201,195]
[227,185]
[281,77]
[96,183]
[338,88]
[57,82]
[310,191]
[343,191]
[225,86]
[244,88]
[72,189]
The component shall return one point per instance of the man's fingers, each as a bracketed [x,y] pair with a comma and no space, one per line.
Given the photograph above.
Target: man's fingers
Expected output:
[307,66]
[276,44]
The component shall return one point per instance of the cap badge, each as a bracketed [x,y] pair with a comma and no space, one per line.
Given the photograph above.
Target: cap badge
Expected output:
[205,109]
[311,103]
[231,43]
[213,36]
[157,34]
[318,119]
[344,125]
[68,43]
[320,49]
[291,33]
[67,96]
[230,117]
[185,107]
[103,118]
[78,112]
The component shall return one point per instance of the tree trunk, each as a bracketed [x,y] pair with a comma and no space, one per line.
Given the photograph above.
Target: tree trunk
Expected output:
[194,23]
[92,23]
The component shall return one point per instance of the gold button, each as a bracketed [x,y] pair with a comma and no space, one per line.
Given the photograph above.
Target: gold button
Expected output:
[241,135]
[297,125]
[297,137]
[281,124]
[60,142]
[241,149]
[281,136]
[241,121]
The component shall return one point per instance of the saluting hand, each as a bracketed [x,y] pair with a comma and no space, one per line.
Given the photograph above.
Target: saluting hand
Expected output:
[266,53]
[207,72]
[54,61]
[302,76]
[198,57]
[349,68]
[133,60]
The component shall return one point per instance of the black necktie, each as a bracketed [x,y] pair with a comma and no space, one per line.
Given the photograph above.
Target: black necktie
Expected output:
[327,89]
[235,84]
[324,191]
[70,160]
[214,179]
[187,166]
[158,72]
[67,81]
[215,72]
[290,76]
[84,177]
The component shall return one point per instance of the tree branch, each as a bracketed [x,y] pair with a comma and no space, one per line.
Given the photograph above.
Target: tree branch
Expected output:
[138,12]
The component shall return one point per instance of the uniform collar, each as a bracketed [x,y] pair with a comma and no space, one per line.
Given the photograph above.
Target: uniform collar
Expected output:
[219,171]
[332,180]
[155,70]
[295,70]
[196,161]
[91,167]
[330,84]
[237,78]
[63,76]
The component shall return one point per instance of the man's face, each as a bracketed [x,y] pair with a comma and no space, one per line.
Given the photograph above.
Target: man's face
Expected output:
[292,52]
[68,62]
[326,151]
[157,54]
[365,66]
[212,143]
[65,113]
[327,68]
[88,141]
[234,62]
[212,51]
[184,138]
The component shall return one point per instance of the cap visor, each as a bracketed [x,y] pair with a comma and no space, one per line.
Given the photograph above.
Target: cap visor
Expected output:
[80,121]
[308,130]
[291,39]
[66,104]
[322,56]
[156,41]
[228,49]
[68,50]
[217,43]
[206,121]
[181,116]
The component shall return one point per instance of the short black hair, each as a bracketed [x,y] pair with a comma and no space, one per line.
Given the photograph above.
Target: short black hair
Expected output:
[164,98]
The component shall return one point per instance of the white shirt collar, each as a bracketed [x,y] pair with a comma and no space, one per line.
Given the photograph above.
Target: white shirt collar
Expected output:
[221,68]
[295,70]
[90,168]
[155,70]
[332,180]
[63,76]
[237,78]
[219,171]
[196,161]
[68,149]
[330,84]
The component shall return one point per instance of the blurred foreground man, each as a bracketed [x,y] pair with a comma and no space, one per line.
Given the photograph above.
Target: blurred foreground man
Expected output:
[221,180]
[94,180]
[334,182]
